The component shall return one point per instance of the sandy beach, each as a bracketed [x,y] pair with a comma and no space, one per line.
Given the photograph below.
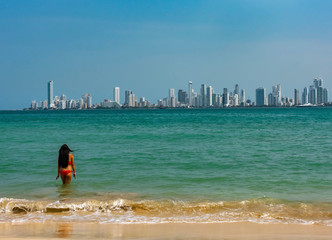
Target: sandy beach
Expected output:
[72,230]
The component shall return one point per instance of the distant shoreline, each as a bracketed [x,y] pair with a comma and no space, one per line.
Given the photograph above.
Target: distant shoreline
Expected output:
[166,108]
[170,108]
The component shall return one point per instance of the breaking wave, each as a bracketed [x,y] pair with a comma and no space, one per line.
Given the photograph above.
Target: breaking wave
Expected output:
[263,210]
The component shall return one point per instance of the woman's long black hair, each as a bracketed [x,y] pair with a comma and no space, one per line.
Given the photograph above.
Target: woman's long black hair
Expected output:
[64,156]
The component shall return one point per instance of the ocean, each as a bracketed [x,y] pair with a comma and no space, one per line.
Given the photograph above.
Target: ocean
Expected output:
[265,165]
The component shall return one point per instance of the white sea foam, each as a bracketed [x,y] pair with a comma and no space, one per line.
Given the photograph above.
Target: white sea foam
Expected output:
[164,211]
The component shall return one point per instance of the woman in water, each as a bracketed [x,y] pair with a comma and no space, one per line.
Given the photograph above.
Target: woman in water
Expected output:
[66,166]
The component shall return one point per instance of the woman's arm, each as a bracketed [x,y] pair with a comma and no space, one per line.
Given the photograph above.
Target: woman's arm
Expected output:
[58,169]
[73,165]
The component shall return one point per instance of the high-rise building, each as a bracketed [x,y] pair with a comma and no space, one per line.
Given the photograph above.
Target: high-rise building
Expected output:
[71,104]
[129,98]
[260,96]
[190,94]
[235,100]
[171,93]
[209,94]
[81,103]
[320,90]
[89,101]
[203,95]
[182,96]
[214,99]
[312,95]
[165,102]
[116,94]
[62,104]
[318,82]
[63,97]
[50,94]
[270,100]
[305,96]
[325,96]
[276,95]
[225,98]
[296,97]
[171,98]
[44,104]
[243,97]
[236,90]
[34,105]
[172,102]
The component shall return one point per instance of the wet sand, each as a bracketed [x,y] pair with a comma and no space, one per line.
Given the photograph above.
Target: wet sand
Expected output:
[229,231]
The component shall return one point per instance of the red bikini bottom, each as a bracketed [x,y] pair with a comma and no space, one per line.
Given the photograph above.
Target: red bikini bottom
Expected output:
[65,172]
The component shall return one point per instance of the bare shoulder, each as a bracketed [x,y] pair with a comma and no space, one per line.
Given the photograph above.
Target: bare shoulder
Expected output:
[71,156]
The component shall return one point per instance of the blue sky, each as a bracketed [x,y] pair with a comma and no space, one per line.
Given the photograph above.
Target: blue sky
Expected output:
[151,46]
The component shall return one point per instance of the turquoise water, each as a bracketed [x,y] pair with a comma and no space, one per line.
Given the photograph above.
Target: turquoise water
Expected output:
[196,156]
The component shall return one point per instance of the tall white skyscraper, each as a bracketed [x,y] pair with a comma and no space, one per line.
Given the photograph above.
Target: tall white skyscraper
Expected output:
[235,100]
[209,93]
[50,94]
[171,93]
[81,103]
[128,94]
[130,99]
[116,94]
[276,95]
[171,98]
[89,101]
[305,96]
[190,93]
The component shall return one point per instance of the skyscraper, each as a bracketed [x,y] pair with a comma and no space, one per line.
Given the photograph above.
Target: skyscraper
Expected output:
[270,101]
[318,82]
[203,95]
[63,97]
[235,100]
[34,105]
[276,95]
[182,95]
[50,94]
[318,85]
[260,96]
[209,94]
[89,101]
[171,93]
[225,98]
[313,94]
[129,98]
[296,97]
[305,96]
[325,96]
[190,93]
[243,97]
[236,90]
[116,94]
[172,99]
[320,90]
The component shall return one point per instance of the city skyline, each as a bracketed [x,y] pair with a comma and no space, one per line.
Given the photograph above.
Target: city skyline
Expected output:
[205,97]
[152,46]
